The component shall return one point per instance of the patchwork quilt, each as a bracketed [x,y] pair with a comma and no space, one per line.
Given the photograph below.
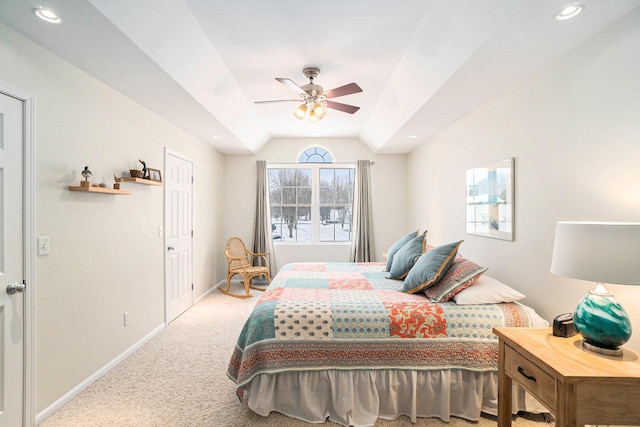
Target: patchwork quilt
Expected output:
[349,316]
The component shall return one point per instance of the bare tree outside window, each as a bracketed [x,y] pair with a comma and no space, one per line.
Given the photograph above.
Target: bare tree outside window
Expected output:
[290,193]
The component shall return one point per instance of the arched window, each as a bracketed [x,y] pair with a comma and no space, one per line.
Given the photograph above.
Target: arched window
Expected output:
[315,155]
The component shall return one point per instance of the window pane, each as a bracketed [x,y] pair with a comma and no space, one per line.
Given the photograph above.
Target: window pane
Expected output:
[296,224]
[327,177]
[276,222]
[327,189]
[336,186]
[304,196]
[336,224]
[344,195]
[288,223]
[342,176]
[275,188]
[327,195]
[288,176]
[302,177]
[288,195]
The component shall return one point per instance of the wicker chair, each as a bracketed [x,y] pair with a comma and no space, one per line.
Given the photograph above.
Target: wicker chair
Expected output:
[238,263]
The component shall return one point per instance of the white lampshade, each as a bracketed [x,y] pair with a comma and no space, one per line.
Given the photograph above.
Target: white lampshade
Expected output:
[605,252]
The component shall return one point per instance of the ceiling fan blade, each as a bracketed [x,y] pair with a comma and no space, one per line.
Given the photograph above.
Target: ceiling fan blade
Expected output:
[291,85]
[343,90]
[342,107]
[276,100]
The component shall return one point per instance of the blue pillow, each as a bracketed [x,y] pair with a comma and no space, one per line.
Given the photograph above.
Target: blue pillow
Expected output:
[397,246]
[430,267]
[406,257]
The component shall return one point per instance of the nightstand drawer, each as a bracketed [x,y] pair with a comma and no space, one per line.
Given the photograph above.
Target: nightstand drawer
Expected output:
[531,377]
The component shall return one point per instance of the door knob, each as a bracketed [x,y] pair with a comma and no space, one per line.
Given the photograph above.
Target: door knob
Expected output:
[15,287]
[170,248]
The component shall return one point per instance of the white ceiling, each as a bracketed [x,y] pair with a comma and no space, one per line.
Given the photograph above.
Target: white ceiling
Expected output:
[201,64]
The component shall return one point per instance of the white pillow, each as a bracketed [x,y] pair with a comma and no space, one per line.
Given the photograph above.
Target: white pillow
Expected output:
[487,290]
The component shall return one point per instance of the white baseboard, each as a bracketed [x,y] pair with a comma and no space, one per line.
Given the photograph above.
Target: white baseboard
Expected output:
[55,406]
[208,291]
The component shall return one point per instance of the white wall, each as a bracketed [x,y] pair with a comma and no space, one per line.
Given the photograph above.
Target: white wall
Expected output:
[574,130]
[106,255]
[388,176]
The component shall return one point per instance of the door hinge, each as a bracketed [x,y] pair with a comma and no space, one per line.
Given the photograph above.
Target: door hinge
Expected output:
[191,233]
[192,179]
[193,288]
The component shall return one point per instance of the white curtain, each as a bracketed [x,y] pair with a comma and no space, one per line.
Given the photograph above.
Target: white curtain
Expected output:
[362,249]
[262,238]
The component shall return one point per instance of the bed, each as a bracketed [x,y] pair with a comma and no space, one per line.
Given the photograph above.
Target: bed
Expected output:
[341,341]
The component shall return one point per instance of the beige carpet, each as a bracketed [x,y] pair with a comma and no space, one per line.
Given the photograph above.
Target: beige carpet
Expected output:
[179,379]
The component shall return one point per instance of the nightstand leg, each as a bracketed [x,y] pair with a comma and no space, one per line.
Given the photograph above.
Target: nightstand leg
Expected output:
[504,391]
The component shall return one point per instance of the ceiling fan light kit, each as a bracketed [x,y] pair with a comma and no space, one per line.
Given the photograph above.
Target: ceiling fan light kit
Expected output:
[310,112]
[314,101]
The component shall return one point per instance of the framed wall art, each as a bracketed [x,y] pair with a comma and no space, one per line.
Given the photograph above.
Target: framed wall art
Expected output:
[489,200]
[155,175]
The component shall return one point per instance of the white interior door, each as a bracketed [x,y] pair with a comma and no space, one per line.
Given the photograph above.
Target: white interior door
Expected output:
[178,199]
[11,262]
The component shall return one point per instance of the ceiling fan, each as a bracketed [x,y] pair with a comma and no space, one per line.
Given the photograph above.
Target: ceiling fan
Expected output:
[313,100]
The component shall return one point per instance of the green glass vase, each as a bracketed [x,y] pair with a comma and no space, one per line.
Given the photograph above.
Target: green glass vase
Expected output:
[602,321]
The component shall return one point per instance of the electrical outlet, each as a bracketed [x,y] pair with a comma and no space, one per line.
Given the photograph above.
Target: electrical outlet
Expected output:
[127,318]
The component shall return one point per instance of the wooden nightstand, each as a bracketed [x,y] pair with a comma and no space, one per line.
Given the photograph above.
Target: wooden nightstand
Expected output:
[579,387]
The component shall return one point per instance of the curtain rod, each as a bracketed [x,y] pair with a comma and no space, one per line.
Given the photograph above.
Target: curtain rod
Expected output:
[313,163]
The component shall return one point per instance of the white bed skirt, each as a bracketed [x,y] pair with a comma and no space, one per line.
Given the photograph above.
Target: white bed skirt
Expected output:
[358,398]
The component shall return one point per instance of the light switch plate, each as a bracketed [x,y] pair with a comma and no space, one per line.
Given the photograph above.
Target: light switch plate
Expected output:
[43,245]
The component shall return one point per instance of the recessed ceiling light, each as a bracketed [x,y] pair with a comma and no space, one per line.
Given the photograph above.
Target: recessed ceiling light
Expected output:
[216,137]
[47,15]
[413,136]
[570,11]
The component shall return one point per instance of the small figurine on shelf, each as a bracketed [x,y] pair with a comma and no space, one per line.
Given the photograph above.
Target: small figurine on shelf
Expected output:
[144,169]
[86,173]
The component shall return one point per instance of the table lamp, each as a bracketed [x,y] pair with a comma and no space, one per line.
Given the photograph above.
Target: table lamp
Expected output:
[601,252]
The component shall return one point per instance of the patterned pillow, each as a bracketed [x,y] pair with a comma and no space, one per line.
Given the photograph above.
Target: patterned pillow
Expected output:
[462,274]
[406,257]
[430,267]
[397,246]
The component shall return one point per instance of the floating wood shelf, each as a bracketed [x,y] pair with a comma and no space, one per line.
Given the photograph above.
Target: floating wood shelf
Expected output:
[138,181]
[102,190]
